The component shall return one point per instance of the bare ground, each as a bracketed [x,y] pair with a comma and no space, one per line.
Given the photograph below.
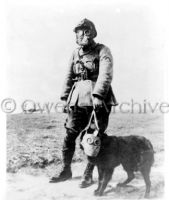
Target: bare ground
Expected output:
[34,144]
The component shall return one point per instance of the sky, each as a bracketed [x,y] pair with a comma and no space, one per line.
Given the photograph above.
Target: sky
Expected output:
[40,40]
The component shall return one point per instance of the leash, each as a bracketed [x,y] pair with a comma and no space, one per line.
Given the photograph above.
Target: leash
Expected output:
[93,115]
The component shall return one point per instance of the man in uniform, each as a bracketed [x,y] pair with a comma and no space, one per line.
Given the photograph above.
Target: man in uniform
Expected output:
[87,86]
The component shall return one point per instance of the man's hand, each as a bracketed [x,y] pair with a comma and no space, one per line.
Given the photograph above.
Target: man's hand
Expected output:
[97,103]
[62,106]
[64,103]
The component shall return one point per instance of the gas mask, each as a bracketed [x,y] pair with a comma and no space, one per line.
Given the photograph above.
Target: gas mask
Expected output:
[85,32]
[83,37]
[91,142]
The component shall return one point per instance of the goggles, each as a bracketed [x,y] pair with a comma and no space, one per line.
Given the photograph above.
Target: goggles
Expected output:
[85,32]
[93,141]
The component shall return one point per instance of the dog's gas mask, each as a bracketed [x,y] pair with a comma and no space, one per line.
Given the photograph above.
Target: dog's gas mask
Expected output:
[91,142]
[85,32]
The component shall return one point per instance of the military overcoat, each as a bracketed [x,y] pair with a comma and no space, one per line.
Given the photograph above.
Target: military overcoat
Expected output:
[99,64]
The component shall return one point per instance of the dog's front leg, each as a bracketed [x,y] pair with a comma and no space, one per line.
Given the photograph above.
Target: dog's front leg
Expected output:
[105,178]
[100,173]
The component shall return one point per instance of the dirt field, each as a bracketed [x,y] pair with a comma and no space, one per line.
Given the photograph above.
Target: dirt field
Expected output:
[34,144]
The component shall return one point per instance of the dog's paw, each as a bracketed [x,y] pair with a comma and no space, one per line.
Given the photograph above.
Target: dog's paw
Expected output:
[121,185]
[98,193]
[147,195]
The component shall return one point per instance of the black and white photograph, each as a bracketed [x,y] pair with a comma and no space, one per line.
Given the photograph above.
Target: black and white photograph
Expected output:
[85,99]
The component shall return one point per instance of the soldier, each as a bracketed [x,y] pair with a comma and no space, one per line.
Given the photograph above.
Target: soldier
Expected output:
[87,85]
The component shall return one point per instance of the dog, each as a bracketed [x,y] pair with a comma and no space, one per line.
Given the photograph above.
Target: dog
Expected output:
[134,153]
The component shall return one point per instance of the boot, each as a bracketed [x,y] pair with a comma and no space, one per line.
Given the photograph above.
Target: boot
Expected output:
[66,172]
[87,179]
[67,155]
[64,175]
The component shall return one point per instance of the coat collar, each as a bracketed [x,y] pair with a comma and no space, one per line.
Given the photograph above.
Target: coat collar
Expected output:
[83,51]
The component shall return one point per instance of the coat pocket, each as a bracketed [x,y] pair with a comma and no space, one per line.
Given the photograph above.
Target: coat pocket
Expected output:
[89,63]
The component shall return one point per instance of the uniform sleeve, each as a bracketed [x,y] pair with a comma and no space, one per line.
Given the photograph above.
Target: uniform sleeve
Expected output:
[68,82]
[105,73]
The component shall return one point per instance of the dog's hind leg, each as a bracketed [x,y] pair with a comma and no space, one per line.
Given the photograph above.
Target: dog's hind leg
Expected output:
[130,177]
[103,180]
[147,159]
[146,175]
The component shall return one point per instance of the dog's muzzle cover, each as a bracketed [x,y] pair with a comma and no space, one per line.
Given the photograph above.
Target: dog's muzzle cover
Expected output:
[91,144]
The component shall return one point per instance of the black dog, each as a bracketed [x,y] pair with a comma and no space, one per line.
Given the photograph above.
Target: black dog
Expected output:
[135,153]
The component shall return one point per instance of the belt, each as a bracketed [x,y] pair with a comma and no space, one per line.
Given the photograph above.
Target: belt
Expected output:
[80,79]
